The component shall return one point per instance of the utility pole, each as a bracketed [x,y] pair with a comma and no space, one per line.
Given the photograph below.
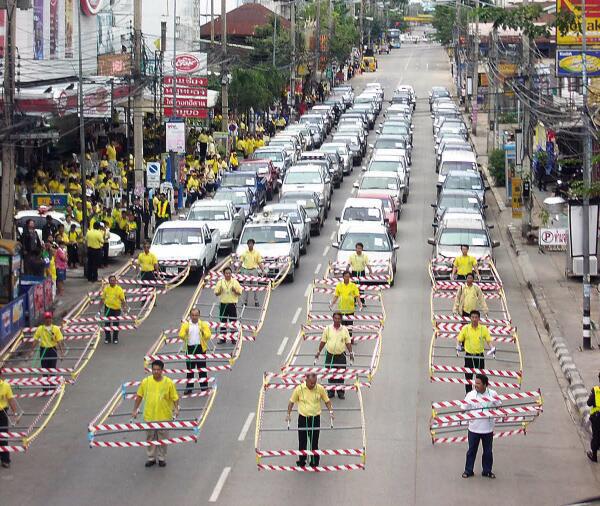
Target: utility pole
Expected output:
[212,23]
[494,88]
[361,22]
[293,69]
[274,36]
[7,207]
[224,78]
[457,52]
[474,91]
[587,182]
[526,161]
[318,42]
[84,217]
[138,114]
[174,108]
[163,48]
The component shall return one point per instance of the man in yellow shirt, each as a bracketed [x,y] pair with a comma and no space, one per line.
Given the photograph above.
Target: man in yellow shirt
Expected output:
[228,290]
[163,210]
[469,297]
[347,296]
[95,242]
[148,264]
[308,396]
[233,161]
[161,404]
[358,263]
[336,340]
[50,340]
[474,338]
[195,334]
[111,152]
[130,229]
[114,301]
[6,399]
[251,263]
[464,264]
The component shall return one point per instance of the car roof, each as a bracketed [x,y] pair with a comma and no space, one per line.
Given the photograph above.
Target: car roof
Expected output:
[462,173]
[233,189]
[182,224]
[461,192]
[378,173]
[313,195]
[305,168]
[458,156]
[464,223]
[362,202]
[211,203]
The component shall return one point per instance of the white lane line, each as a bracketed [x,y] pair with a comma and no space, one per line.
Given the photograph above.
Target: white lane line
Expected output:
[219,486]
[332,236]
[296,316]
[317,269]
[325,251]
[282,346]
[307,291]
[246,427]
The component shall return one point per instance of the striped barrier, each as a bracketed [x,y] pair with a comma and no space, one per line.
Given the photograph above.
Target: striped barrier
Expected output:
[355,452]
[495,339]
[459,403]
[354,317]
[465,320]
[490,372]
[451,295]
[138,444]
[144,426]
[308,469]
[464,439]
[463,381]
[455,285]
[493,329]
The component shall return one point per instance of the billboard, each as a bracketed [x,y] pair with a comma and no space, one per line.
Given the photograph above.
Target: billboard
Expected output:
[569,63]
[38,30]
[116,65]
[189,64]
[592,12]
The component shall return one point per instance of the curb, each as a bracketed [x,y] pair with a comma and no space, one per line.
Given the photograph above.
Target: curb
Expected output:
[577,392]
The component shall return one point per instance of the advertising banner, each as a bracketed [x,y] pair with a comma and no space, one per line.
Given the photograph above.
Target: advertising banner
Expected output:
[53,29]
[190,64]
[38,30]
[592,11]
[68,28]
[175,136]
[569,63]
[57,201]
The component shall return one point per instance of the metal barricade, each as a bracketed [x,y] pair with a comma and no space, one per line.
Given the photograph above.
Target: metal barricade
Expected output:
[172,274]
[277,267]
[381,273]
[440,269]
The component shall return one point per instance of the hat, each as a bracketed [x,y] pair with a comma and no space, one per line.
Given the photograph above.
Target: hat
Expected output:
[48,314]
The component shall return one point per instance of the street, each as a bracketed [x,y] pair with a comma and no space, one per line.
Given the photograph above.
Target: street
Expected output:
[547,466]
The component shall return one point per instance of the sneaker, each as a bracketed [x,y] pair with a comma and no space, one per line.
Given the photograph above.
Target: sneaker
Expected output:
[162,463]
[150,463]
[116,340]
[106,340]
[6,465]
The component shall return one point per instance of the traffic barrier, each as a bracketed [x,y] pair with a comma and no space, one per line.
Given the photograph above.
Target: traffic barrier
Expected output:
[440,269]
[277,267]
[381,273]
[172,273]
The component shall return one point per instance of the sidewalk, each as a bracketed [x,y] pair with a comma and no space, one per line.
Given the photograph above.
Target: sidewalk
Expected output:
[558,299]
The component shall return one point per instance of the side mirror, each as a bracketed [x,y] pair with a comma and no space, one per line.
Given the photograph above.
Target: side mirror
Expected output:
[396,246]
[355,185]
[337,218]
[335,245]
[495,244]
[296,239]
[434,206]
[490,226]
[431,241]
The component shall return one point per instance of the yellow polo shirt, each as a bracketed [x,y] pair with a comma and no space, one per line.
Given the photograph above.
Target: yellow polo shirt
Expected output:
[474,338]
[470,300]
[113,296]
[346,294]
[48,337]
[6,394]
[465,264]
[205,333]
[358,263]
[335,339]
[224,290]
[94,238]
[251,259]
[147,261]
[309,401]
[111,153]
[159,397]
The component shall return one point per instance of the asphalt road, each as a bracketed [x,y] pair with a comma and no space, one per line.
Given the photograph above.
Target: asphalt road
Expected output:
[548,466]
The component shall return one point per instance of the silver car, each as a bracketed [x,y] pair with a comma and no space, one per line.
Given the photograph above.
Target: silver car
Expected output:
[300,220]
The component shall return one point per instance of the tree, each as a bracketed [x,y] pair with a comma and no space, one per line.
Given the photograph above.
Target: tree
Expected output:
[345,34]
[444,20]
[248,89]
[262,42]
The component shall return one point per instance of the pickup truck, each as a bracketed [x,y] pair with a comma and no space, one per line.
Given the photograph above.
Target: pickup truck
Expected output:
[187,240]
[249,179]
[266,170]
[222,215]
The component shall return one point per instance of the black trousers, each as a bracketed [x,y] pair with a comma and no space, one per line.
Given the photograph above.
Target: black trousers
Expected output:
[595,421]
[473,361]
[196,349]
[48,360]
[72,255]
[203,147]
[94,257]
[4,456]
[487,459]
[347,322]
[310,437]
[359,274]
[334,362]
[105,254]
[130,247]
[159,221]
[108,334]
[227,313]
[148,276]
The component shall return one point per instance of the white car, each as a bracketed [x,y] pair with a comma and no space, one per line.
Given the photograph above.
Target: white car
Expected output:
[297,215]
[115,244]
[360,210]
[219,214]
[387,183]
[308,178]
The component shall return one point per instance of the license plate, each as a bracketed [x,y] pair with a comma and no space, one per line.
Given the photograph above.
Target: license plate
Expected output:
[172,270]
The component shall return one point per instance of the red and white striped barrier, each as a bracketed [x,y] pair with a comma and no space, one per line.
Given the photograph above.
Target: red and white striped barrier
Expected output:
[137,444]
[366,337]
[13,449]
[354,317]
[487,413]
[317,327]
[177,381]
[438,317]
[308,469]
[451,295]
[455,285]
[12,435]
[101,318]
[31,395]
[144,426]
[289,369]
[37,370]
[144,282]
[174,263]
[490,372]
[464,439]
[68,328]
[353,452]
[463,381]
[440,259]
[460,403]
[495,339]
[332,290]
[128,291]
[291,386]
[241,278]
[493,329]
[210,368]
[137,298]
[357,282]
[36,382]
[182,356]
[299,378]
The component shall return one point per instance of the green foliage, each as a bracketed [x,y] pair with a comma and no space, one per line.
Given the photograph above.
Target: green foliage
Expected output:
[248,89]
[579,190]
[522,18]
[345,34]
[263,45]
[507,117]
[496,166]
[444,19]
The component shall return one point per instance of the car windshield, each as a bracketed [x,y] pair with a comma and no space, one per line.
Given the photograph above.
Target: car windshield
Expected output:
[372,183]
[459,201]
[458,236]
[463,182]
[179,236]
[303,178]
[361,214]
[385,166]
[275,156]
[448,166]
[304,201]
[236,198]
[394,129]
[372,241]
[265,234]
[209,214]
[390,143]
[232,179]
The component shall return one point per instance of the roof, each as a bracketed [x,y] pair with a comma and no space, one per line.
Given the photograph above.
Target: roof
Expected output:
[242,22]
[362,202]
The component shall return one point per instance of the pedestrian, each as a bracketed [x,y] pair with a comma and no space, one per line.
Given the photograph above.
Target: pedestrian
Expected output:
[195,334]
[50,339]
[252,265]
[105,244]
[137,211]
[228,290]
[146,217]
[358,264]
[594,403]
[130,234]
[481,429]
[336,340]
[95,242]
[469,297]
[148,264]
[163,210]
[7,399]
[308,396]
[49,229]
[464,264]
[473,338]
[32,249]
[347,297]
[161,404]
[60,262]
[73,246]
[114,301]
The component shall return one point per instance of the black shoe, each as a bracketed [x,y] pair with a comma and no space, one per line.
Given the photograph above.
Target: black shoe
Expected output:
[116,340]
[6,465]
[467,475]
[188,391]
[162,463]
[150,463]
[106,340]
[314,463]
[301,463]
[341,394]
[489,475]
[592,456]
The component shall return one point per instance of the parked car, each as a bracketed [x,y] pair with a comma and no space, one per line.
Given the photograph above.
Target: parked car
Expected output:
[279,156]
[310,178]
[242,199]
[449,238]
[387,183]
[222,215]
[392,212]
[299,218]
[464,180]
[459,199]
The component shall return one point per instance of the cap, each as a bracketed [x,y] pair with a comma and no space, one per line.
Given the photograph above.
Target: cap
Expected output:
[48,314]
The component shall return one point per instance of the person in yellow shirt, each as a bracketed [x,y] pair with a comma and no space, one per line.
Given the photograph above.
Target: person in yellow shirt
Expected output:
[39,187]
[464,264]
[114,301]
[53,186]
[347,296]
[336,340]
[50,340]
[74,236]
[469,297]
[240,146]
[161,404]
[95,242]
[78,211]
[228,290]
[233,161]
[111,152]
[474,338]
[358,264]
[148,264]
[7,399]
[195,334]
[193,188]
[252,265]
[163,210]
[309,396]
[74,187]
[130,229]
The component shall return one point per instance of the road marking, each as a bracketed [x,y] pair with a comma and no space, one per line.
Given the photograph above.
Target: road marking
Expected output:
[219,486]
[296,316]
[282,346]
[332,236]
[246,426]
[307,291]
[325,251]
[427,66]
[318,268]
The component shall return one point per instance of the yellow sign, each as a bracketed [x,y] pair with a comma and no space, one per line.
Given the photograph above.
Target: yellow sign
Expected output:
[517,210]
[572,37]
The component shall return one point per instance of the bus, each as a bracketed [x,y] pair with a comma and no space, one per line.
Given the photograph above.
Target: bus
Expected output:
[393,35]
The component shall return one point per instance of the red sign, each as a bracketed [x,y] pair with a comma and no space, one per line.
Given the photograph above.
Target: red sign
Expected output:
[185,91]
[187,113]
[186,103]
[186,81]
[90,7]
[187,63]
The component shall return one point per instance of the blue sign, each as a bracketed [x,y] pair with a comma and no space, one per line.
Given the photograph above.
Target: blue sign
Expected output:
[569,63]
[58,201]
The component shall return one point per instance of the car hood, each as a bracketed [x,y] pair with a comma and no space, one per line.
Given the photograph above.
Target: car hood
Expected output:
[318,188]
[176,251]
[268,250]
[451,251]
[114,238]
[345,225]
[374,256]
[222,226]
